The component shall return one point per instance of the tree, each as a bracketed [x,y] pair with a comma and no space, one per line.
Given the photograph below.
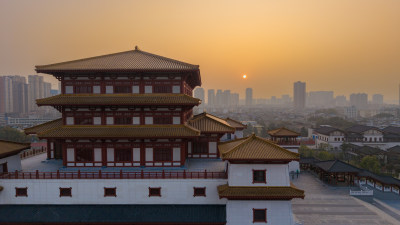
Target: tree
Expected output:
[12,134]
[324,155]
[371,163]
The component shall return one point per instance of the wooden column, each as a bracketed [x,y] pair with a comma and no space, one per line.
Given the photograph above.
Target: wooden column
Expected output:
[142,154]
[183,152]
[64,153]
[48,149]
[103,153]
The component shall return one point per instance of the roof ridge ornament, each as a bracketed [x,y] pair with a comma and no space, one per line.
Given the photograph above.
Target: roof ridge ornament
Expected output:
[136,48]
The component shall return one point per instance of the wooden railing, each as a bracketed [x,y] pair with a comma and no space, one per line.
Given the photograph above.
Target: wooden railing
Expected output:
[32,152]
[115,175]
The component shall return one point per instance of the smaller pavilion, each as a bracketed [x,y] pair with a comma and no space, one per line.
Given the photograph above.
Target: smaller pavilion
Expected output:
[284,136]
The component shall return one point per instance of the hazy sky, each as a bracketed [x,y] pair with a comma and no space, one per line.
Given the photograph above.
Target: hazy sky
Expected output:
[341,45]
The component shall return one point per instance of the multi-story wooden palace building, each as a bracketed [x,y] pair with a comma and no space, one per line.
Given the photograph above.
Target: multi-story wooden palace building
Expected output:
[133,153]
[128,109]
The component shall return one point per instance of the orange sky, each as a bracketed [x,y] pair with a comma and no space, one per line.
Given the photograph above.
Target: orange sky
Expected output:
[341,45]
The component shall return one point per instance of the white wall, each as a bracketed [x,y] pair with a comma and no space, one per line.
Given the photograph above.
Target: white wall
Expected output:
[241,212]
[242,174]
[13,162]
[129,191]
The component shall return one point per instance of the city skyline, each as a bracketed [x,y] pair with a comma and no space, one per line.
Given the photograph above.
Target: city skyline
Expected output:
[274,43]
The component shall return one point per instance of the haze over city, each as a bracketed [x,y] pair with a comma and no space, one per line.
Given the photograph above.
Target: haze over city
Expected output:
[344,46]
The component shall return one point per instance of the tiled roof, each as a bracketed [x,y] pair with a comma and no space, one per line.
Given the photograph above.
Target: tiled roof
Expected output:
[255,148]
[326,130]
[9,148]
[381,178]
[394,149]
[120,131]
[368,150]
[361,129]
[137,60]
[337,166]
[283,132]
[392,129]
[236,124]
[308,160]
[259,193]
[119,99]
[43,127]
[208,123]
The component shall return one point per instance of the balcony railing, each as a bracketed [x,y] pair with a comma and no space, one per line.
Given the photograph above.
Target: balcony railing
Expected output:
[115,175]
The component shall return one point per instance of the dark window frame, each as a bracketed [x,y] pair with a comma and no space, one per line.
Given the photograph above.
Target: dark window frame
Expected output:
[79,119]
[162,89]
[63,194]
[114,189]
[119,150]
[123,120]
[154,189]
[264,220]
[18,191]
[162,120]
[83,89]
[199,194]
[265,177]
[156,155]
[200,149]
[85,149]
[122,89]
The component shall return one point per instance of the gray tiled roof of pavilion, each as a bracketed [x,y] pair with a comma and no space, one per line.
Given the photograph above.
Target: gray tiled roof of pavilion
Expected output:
[360,129]
[394,149]
[380,178]
[337,166]
[326,130]
[392,130]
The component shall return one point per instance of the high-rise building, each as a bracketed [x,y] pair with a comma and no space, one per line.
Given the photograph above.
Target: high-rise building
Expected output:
[20,94]
[35,90]
[299,95]
[249,96]
[199,93]
[218,98]
[359,100]
[226,98]
[377,99]
[211,97]
[46,89]
[6,95]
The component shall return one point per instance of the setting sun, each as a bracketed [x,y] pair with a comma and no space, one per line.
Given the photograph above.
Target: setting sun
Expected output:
[244,76]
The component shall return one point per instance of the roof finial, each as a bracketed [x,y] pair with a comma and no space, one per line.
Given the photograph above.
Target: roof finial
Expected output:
[136,47]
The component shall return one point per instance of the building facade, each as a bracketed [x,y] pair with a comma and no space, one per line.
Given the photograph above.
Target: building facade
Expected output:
[128,136]
[249,96]
[299,95]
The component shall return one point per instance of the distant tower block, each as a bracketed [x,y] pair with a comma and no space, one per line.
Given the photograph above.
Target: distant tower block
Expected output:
[299,95]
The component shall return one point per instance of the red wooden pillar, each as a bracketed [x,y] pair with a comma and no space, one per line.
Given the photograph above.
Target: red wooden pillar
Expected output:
[103,154]
[142,154]
[48,149]
[103,116]
[64,153]
[183,153]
